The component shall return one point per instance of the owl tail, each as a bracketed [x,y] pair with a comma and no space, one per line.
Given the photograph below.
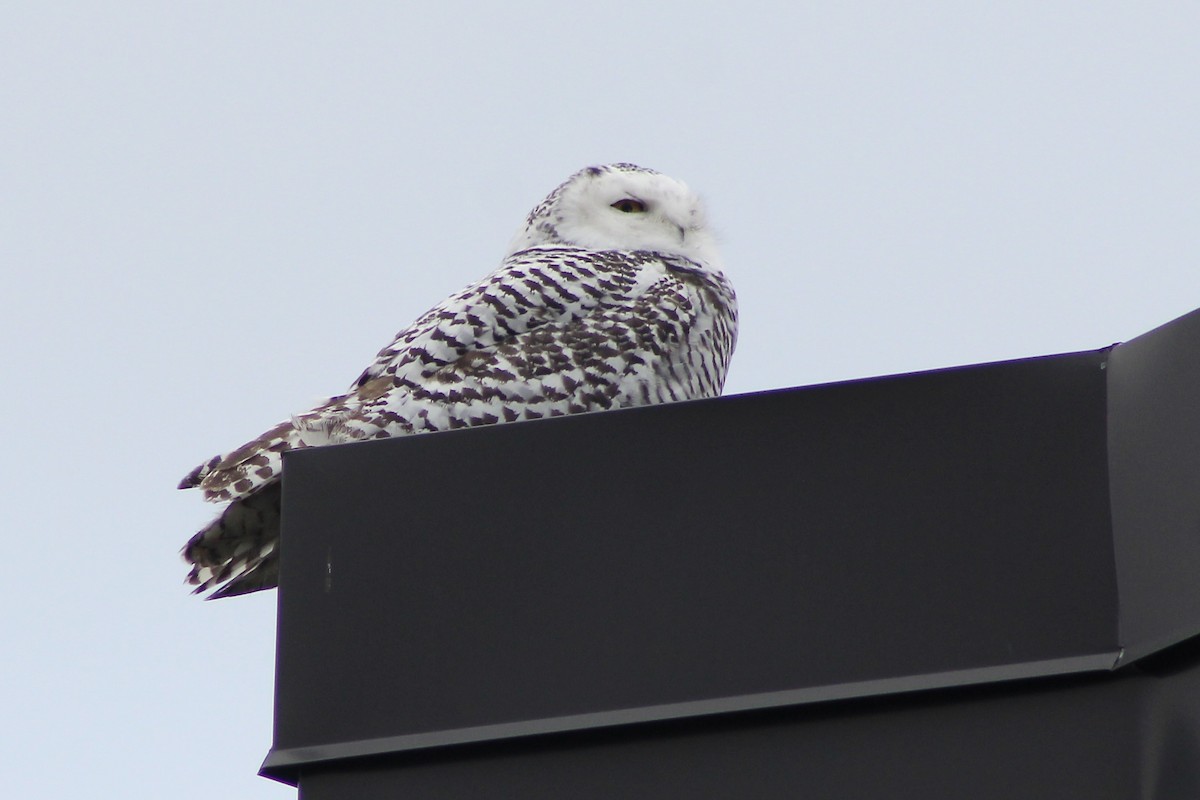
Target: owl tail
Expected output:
[239,550]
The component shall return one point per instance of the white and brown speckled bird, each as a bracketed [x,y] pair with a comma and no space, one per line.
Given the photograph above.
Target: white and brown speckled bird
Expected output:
[611,296]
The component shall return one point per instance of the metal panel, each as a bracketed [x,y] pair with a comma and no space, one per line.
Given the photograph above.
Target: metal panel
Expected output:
[1154,445]
[884,535]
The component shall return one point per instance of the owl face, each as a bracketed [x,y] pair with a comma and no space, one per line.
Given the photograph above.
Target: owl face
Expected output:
[622,207]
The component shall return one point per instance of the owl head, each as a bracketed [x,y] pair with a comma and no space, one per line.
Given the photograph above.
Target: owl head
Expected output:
[621,207]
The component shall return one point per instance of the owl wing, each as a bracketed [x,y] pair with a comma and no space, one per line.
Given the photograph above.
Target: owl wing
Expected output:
[555,330]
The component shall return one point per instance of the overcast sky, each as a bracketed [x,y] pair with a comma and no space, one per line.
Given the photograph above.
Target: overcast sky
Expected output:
[213,214]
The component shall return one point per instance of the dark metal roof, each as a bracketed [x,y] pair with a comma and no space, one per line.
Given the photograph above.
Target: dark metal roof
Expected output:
[964,526]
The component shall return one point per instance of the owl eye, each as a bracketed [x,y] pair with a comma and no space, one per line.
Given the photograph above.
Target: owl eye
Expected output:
[630,206]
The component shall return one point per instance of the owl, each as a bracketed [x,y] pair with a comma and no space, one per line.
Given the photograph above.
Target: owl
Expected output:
[611,296]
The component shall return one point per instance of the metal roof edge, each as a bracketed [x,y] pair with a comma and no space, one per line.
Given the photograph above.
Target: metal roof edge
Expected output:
[285,764]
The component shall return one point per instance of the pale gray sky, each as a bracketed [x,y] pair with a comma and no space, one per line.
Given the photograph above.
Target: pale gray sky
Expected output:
[213,214]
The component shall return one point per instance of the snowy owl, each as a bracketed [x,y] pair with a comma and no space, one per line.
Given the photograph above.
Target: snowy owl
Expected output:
[611,296]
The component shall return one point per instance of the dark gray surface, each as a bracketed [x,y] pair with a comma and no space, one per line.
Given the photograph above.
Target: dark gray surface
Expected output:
[1154,433]
[882,535]
[1132,735]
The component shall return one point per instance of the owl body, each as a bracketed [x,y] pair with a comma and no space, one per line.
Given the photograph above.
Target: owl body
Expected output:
[611,297]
